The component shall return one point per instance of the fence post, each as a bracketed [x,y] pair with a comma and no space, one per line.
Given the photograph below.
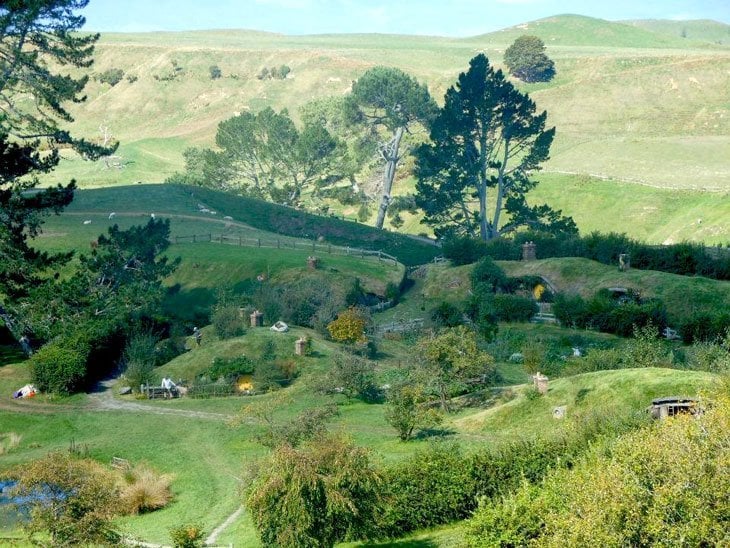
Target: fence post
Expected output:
[380,256]
[258,242]
[329,248]
[347,250]
[314,243]
[240,241]
[278,243]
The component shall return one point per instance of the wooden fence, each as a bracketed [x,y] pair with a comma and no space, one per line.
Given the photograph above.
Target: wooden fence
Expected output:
[278,243]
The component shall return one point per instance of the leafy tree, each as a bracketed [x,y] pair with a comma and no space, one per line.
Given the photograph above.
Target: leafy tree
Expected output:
[317,495]
[406,410]
[349,327]
[388,98]
[355,375]
[485,142]
[526,59]
[451,358]
[38,44]
[266,156]
[73,500]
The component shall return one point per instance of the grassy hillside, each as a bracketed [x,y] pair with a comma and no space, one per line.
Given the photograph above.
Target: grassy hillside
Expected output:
[681,294]
[248,219]
[630,102]
[694,30]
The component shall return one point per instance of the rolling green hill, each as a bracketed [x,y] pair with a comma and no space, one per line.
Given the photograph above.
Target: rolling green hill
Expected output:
[632,102]
[694,30]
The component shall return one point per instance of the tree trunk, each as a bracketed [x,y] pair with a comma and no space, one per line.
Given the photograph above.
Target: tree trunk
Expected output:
[9,323]
[391,158]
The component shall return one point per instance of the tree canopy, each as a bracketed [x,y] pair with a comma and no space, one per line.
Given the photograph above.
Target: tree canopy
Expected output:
[316,495]
[486,141]
[388,98]
[527,60]
[38,42]
[266,156]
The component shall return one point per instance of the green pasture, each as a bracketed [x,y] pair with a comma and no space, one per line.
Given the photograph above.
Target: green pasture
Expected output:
[644,212]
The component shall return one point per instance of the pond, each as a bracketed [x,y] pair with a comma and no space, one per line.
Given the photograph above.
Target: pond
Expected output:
[14,510]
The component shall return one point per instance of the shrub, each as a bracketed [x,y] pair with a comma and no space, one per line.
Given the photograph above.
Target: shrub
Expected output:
[215,72]
[132,78]
[709,356]
[570,310]
[488,275]
[60,367]
[273,374]
[139,358]
[434,486]
[355,375]
[464,250]
[645,474]
[227,322]
[646,350]
[112,76]
[230,369]
[447,315]
[188,536]
[513,308]
[319,494]
[597,359]
[80,500]
[145,490]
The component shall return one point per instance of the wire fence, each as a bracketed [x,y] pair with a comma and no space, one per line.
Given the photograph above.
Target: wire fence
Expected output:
[279,243]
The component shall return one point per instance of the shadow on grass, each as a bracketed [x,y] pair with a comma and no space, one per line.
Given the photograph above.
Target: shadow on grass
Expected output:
[582,393]
[11,353]
[434,433]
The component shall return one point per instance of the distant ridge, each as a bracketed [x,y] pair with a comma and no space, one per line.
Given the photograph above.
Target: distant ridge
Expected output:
[696,30]
[579,30]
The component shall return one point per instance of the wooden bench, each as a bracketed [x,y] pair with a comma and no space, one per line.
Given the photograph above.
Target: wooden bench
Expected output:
[157,392]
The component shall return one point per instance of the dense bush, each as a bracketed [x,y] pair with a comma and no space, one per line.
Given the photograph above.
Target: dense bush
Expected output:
[60,367]
[139,359]
[227,322]
[704,326]
[665,478]
[464,250]
[489,276]
[604,313]
[230,369]
[355,376]
[434,486]
[447,315]
[112,76]
[513,308]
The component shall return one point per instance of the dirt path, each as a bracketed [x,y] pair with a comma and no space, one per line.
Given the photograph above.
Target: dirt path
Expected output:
[103,400]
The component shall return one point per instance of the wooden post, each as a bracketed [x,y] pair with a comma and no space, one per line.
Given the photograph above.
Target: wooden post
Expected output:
[258,242]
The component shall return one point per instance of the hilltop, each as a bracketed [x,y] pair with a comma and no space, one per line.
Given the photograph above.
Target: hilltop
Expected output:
[632,103]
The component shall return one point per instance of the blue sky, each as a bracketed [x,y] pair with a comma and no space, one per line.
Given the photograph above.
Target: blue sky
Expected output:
[432,17]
